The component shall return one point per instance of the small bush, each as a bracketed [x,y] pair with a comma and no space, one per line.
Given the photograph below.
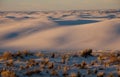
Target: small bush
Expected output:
[32,62]
[7,55]
[79,74]
[50,65]
[8,73]
[89,71]
[114,59]
[54,73]
[86,52]
[65,71]
[110,75]
[39,54]
[83,65]
[65,68]
[29,73]
[53,55]
[73,75]
[118,73]
[10,63]
[95,71]
[100,74]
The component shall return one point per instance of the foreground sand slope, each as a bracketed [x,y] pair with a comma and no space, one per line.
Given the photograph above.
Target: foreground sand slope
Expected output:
[50,35]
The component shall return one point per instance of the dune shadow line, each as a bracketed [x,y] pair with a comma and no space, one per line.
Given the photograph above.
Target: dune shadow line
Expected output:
[74,22]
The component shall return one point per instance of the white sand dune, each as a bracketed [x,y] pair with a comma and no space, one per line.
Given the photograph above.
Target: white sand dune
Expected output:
[45,33]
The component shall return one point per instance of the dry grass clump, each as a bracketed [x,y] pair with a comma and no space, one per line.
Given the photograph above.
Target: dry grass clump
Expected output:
[7,55]
[100,74]
[114,59]
[110,75]
[39,54]
[118,73]
[21,67]
[79,74]
[95,71]
[89,71]
[31,72]
[45,61]
[10,63]
[101,57]
[65,58]
[92,63]
[66,68]
[26,53]
[21,55]
[54,73]
[53,55]
[50,65]
[65,71]
[75,74]
[86,53]
[83,65]
[32,62]
[7,73]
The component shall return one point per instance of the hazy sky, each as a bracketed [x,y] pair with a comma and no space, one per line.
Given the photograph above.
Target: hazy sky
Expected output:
[58,4]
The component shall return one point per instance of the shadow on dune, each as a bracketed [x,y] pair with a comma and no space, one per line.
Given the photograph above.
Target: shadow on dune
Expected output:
[31,30]
[74,22]
[18,18]
[24,32]
[107,16]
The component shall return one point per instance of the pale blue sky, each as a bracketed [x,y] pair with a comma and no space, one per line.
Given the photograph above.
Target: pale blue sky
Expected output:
[58,4]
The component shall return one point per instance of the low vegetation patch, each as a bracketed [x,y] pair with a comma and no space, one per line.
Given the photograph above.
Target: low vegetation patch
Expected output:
[83,63]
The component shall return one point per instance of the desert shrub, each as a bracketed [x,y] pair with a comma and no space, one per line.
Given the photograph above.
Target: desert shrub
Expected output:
[65,68]
[110,75]
[75,74]
[65,71]
[89,71]
[100,74]
[65,74]
[65,58]
[39,54]
[95,71]
[53,55]
[26,53]
[18,55]
[8,73]
[83,65]
[54,73]
[21,67]
[86,52]
[23,54]
[36,71]
[101,58]
[7,55]
[118,73]
[59,67]
[92,63]
[45,61]
[31,72]
[63,61]
[79,74]
[9,63]
[42,66]
[114,59]
[50,65]
[101,68]
[32,62]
